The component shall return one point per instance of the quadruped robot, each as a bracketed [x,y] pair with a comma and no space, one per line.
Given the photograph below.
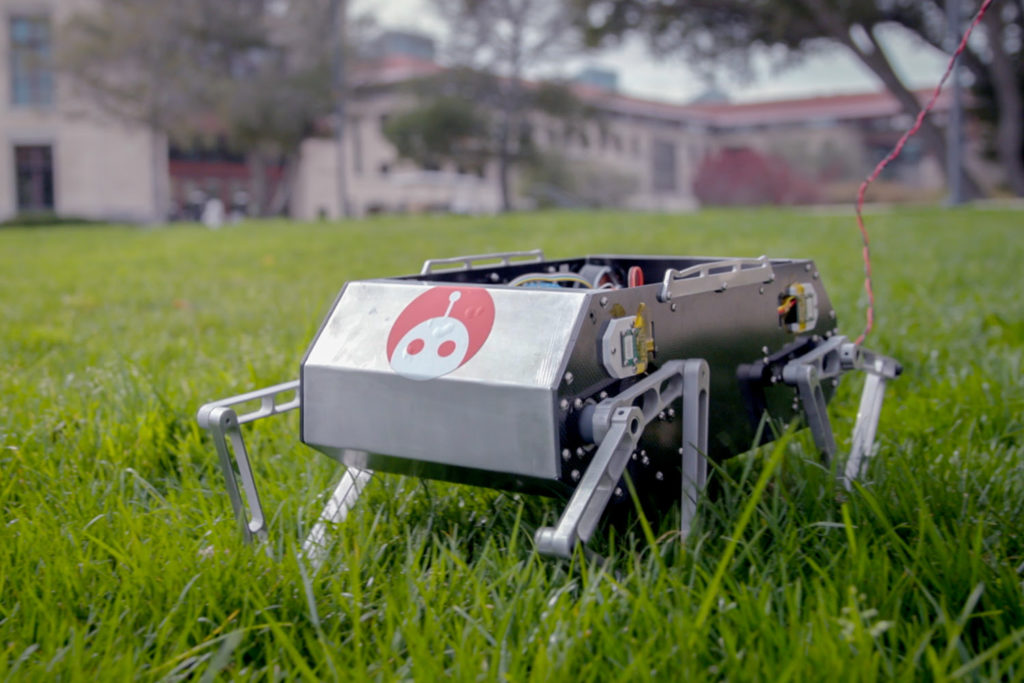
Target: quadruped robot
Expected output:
[556,377]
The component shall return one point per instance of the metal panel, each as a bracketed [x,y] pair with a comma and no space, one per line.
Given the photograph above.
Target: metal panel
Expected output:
[496,411]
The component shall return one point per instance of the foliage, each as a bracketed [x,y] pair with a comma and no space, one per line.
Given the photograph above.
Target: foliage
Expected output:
[552,180]
[745,177]
[444,129]
[459,119]
[194,68]
[730,31]
[491,47]
[120,557]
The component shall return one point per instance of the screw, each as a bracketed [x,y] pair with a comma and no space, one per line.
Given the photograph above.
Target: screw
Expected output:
[661,415]
[644,460]
[580,452]
[569,378]
[760,290]
[618,491]
[764,350]
[659,476]
[566,454]
[575,475]
[671,413]
[494,277]
[832,314]
[807,267]
[564,404]
[814,275]
[603,301]
[603,395]
[673,307]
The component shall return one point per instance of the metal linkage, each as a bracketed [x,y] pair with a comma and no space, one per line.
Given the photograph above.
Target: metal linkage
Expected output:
[715,276]
[616,425]
[345,495]
[505,258]
[223,423]
[828,360]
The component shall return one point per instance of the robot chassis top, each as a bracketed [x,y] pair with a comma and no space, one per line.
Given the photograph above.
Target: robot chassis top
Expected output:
[557,376]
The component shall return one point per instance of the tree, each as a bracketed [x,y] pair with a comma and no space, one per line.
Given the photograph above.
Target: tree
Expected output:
[260,71]
[268,80]
[728,30]
[493,45]
[996,66]
[127,57]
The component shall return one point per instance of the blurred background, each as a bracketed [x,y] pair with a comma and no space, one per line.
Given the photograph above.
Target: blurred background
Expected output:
[147,111]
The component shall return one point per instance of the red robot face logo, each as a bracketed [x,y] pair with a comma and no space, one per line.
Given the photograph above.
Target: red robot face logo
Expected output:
[439,331]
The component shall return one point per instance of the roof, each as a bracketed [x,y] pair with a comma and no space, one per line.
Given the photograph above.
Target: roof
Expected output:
[394,69]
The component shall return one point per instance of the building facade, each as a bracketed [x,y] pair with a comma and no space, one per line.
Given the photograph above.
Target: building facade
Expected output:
[58,155]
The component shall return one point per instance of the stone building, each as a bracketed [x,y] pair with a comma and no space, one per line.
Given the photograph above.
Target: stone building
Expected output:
[57,153]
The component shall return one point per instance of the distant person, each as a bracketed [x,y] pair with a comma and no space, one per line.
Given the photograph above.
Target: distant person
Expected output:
[213,213]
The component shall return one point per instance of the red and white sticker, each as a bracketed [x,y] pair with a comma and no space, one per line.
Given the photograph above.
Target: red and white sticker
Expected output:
[439,331]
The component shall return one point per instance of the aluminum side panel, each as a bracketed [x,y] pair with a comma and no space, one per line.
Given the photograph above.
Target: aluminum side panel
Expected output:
[497,411]
[509,430]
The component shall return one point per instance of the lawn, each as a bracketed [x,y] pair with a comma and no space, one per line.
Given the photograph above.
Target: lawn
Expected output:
[120,557]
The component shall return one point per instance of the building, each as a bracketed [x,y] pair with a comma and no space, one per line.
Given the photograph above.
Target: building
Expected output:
[58,154]
[637,153]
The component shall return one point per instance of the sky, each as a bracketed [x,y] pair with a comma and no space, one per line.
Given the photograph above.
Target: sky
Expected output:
[669,79]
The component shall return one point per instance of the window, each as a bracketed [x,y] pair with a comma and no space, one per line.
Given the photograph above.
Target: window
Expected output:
[31,61]
[33,173]
[663,166]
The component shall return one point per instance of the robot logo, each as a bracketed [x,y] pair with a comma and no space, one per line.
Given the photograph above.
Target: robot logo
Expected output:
[439,331]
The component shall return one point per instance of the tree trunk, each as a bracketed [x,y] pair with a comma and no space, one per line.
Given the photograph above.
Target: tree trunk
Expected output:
[257,183]
[933,137]
[504,161]
[283,192]
[158,169]
[1010,125]
[830,23]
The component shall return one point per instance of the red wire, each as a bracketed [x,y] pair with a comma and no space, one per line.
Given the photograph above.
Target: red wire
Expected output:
[895,152]
[635,277]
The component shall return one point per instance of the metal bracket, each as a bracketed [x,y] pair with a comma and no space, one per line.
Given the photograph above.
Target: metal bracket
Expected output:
[466,262]
[616,425]
[223,423]
[830,359]
[715,276]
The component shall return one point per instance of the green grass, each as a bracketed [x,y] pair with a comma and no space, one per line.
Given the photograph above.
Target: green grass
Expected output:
[118,551]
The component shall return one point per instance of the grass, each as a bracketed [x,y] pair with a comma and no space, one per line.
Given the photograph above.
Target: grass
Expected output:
[119,556]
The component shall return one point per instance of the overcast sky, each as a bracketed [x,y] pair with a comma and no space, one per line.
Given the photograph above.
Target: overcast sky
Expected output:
[669,79]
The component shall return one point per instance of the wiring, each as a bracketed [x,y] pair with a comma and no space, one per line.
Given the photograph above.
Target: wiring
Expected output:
[635,276]
[548,279]
[787,305]
[869,322]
